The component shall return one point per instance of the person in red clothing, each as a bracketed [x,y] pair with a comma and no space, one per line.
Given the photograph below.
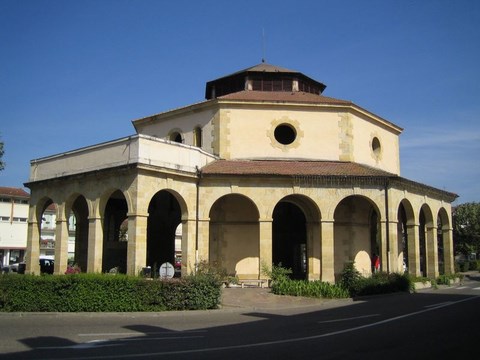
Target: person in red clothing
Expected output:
[376,263]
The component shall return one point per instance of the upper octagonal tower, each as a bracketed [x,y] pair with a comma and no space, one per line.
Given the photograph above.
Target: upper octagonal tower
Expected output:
[263,77]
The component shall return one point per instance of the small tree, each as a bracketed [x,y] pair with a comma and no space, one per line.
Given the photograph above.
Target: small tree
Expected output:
[466,228]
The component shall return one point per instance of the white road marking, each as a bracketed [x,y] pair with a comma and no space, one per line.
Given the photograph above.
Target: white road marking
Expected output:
[477,288]
[142,333]
[439,304]
[462,287]
[347,319]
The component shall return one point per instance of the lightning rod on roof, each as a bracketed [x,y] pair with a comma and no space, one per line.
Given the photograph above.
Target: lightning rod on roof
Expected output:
[263,45]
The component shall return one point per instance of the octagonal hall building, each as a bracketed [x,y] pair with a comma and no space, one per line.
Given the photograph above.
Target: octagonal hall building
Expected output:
[266,170]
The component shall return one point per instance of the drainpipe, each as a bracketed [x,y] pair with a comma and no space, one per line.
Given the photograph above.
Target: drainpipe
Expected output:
[387,224]
[196,217]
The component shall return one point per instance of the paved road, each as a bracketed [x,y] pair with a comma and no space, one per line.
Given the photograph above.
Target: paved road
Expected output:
[430,324]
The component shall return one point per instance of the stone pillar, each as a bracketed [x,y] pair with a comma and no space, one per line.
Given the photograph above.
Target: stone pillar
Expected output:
[95,245]
[431,252]
[327,255]
[137,243]
[314,242]
[188,246]
[448,254]
[61,246]
[384,260]
[33,248]
[413,250]
[265,246]
[392,251]
[203,241]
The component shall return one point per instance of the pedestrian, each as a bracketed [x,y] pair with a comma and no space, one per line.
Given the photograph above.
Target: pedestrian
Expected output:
[376,263]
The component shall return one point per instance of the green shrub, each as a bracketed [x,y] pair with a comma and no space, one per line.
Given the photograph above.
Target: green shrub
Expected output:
[97,292]
[316,289]
[350,278]
[384,283]
[379,283]
[277,272]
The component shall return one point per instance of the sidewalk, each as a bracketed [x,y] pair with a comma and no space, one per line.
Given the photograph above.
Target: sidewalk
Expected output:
[262,298]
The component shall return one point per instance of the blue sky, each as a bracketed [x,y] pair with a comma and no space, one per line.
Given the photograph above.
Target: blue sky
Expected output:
[76,73]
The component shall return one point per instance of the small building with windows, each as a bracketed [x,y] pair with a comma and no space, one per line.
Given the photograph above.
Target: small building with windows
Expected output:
[13,225]
[267,170]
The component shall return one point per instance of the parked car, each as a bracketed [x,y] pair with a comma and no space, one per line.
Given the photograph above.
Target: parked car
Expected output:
[10,268]
[46,267]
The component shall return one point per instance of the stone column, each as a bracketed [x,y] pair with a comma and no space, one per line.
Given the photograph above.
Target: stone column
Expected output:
[265,246]
[203,241]
[33,248]
[431,252]
[314,242]
[137,243]
[392,251]
[327,255]
[413,250]
[448,254]
[188,246]
[61,246]
[95,245]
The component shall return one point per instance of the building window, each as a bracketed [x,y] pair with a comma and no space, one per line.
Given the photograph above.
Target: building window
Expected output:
[20,219]
[176,136]
[285,134]
[4,218]
[197,137]
[376,148]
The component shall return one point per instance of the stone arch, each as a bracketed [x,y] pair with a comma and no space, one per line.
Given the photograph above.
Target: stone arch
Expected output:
[405,243]
[47,211]
[77,212]
[114,210]
[357,235]
[427,242]
[296,223]
[166,210]
[443,241]
[234,236]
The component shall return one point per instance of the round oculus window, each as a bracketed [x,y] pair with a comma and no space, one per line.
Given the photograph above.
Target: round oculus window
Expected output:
[285,134]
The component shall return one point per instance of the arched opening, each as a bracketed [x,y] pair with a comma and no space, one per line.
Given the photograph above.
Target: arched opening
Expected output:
[356,235]
[444,243]
[48,224]
[176,136]
[289,239]
[422,241]
[234,236]
[164,218]
[78,227]
[402,236]
[197,137]
[114,236]
[441,263]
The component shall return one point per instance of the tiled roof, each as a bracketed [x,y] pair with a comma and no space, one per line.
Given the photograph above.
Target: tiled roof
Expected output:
[14,192]
[291,168]
[262,67]
[283,96]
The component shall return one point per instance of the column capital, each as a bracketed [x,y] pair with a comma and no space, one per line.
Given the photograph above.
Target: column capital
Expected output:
[137,214]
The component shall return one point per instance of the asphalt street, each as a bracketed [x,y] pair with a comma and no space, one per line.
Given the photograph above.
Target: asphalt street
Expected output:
[436,323]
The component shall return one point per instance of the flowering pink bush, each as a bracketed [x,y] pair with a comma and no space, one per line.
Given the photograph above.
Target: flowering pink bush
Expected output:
[75,269]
